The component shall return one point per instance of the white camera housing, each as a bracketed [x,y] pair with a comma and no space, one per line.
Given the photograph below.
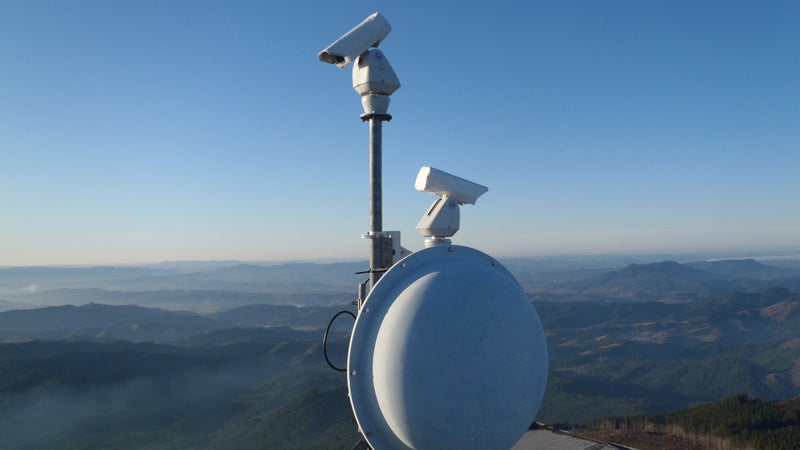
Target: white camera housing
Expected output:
[347,48]
[443,184]
[443,218]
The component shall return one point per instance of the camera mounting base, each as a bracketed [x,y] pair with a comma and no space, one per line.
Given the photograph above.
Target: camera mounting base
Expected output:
[381,117]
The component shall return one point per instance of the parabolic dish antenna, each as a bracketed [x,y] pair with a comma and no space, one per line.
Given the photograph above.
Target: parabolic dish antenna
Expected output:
[447,352]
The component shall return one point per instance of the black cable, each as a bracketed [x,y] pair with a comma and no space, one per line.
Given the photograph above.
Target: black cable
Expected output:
[325,340]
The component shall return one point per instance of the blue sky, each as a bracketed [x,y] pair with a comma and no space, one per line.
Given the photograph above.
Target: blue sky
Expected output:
[134,132]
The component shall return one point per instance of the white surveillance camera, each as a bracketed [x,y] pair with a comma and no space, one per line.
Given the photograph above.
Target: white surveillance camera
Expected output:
[444,184]
[443,218]
[347,48]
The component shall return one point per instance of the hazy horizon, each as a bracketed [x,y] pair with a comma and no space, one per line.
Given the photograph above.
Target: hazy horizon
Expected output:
[763,255]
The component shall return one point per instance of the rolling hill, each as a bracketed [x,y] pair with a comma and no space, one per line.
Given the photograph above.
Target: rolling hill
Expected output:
[122,368]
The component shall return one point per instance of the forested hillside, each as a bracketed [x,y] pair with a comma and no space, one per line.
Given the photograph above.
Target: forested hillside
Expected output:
[738,422]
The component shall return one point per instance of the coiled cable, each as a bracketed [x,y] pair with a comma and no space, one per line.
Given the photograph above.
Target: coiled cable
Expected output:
[325,339]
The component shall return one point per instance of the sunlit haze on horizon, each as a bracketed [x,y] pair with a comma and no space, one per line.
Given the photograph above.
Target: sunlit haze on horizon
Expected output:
[138,132]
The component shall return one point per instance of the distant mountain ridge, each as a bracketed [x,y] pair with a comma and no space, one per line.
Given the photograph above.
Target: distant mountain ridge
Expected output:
[100,322]
[743,268]
[202,301]
[669,282]
[592,278]
[278,278]
[261,315]
[96,321]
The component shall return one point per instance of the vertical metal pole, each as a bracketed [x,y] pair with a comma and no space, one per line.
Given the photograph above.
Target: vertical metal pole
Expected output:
[375,198]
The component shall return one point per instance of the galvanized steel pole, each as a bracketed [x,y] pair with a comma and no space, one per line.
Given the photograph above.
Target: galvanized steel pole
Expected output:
[375,198]
[380,257]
